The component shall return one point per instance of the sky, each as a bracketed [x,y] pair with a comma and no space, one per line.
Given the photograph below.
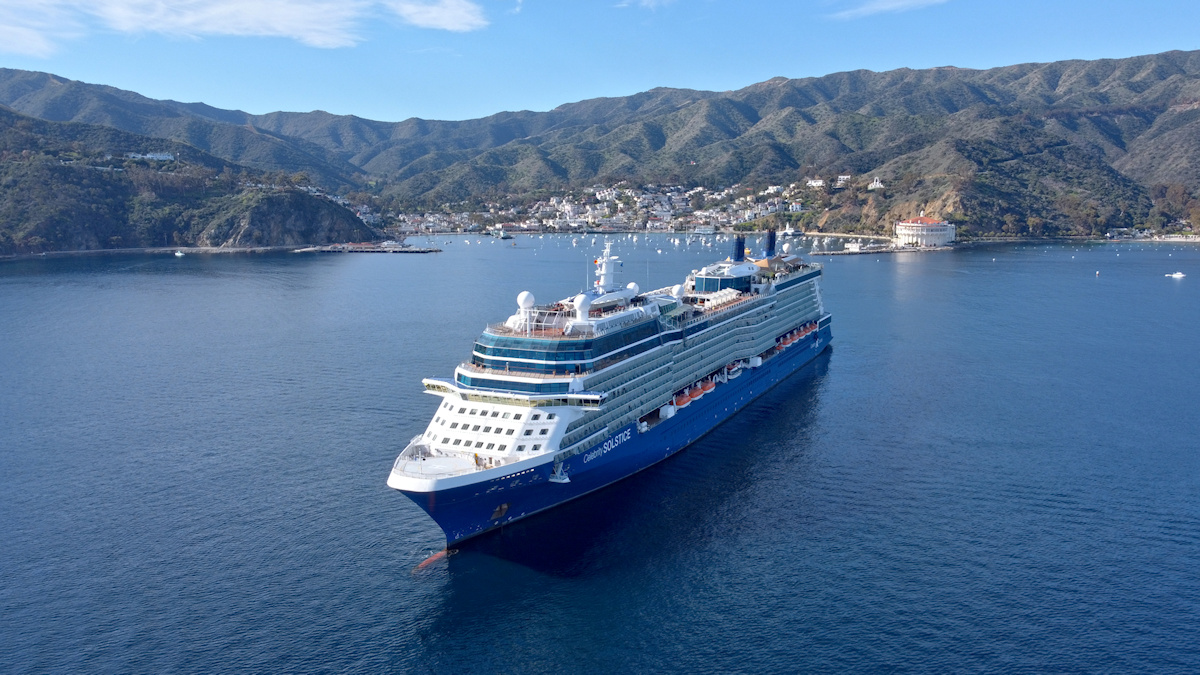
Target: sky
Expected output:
[460,59]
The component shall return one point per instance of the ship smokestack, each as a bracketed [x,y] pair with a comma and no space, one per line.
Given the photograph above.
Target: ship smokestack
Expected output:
[739,248]
[770,243]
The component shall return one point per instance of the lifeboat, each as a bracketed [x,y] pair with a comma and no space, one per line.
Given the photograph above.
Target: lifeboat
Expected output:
[708,385]
[696,392]
[682,400]
[787,340]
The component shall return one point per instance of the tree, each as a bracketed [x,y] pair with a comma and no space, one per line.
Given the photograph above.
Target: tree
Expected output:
[1011,224]
[1035,225]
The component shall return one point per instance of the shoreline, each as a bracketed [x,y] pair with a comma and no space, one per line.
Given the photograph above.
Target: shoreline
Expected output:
[170,250]
[150,250]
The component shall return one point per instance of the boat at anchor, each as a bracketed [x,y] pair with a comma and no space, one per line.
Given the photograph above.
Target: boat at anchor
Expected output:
[565,398]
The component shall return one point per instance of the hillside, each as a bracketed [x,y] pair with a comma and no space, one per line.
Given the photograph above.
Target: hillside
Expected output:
[1078,143]
[67,187]
[225,134]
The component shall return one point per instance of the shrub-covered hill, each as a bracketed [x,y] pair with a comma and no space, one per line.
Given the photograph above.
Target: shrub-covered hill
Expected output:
[67,187]
[1075,144]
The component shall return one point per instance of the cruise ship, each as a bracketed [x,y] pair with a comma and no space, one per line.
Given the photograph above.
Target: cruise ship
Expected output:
[562,399]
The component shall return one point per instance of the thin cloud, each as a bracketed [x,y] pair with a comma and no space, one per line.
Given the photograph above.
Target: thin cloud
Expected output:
[37,27]
[34,27]
[881,6]
[455,15]
[647,4]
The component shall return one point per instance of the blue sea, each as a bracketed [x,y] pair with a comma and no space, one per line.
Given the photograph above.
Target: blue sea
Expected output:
[996,468]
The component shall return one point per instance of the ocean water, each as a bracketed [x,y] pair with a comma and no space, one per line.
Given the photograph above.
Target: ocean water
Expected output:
[995,468]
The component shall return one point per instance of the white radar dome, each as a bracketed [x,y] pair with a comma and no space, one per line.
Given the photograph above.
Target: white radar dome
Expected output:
[633,287]
[787,247]
[677,290]
[583,303]
[525,300]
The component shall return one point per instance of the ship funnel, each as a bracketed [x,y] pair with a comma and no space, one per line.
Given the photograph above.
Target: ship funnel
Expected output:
[770,243]
[739,248]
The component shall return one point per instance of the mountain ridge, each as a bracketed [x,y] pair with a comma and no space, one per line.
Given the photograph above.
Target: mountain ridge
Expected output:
[1134,120]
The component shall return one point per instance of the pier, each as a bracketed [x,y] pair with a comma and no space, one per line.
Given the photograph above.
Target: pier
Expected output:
[367,248]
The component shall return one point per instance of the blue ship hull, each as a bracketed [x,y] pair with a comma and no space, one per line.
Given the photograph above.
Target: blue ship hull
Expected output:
[471,510]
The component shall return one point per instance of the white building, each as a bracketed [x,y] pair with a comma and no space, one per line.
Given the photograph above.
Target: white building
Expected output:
[875,184]
[921,232]
[156,156]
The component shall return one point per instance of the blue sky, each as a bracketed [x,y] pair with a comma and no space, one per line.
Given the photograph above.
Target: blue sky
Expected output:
[459,59]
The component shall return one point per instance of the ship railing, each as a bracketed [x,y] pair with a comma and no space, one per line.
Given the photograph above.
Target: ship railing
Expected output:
[720,311]
[544,333]
[467,365]
[415,461]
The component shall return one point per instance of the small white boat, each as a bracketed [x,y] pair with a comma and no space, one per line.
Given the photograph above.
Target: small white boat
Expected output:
[1177,275]
[178,254]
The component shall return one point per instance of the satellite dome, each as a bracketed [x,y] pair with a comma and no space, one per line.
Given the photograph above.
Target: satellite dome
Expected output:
[525,300]
[582,303]
[677,290]
[633,287]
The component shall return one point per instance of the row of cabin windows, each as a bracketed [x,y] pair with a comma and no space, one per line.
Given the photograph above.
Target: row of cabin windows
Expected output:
[498,361]
[483,413]
[528,387]
[536,447]
[542,432]
[478,444]
[486,430]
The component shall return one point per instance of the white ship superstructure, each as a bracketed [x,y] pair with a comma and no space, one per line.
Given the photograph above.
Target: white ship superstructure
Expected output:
[553,391]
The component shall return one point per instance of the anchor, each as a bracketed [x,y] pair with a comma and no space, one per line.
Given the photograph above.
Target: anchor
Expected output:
[559,476]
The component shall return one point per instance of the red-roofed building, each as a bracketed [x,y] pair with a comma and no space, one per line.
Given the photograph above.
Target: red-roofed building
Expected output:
[922,232]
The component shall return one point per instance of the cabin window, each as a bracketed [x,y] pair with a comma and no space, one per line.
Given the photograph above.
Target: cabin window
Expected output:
[446,439]
[517,416]
[479,444]
[475,428]
[496,413]
[506,415]
[454,425]
[550,416]
[487,430]
[536,447]
[536,417]
[473,411]
[520,448]
[498,430]
[529,432]
[458,441]
[501,448]
[490,446]
[543,432]
[462,410]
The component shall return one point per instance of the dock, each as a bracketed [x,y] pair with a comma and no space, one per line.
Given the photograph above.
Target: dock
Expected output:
[367,248]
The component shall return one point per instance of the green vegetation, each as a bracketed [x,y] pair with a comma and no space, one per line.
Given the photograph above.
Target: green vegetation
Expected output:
[1072,147]
[71,187]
